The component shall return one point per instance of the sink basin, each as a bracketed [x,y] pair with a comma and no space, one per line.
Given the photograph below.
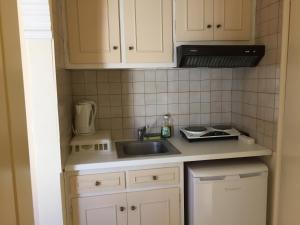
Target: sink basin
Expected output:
[144,148]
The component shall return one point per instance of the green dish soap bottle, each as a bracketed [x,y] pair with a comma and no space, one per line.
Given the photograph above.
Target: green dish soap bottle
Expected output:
[166,129]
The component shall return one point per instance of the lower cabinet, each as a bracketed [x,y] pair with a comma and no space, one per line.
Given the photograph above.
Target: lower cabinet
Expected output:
[100,210]
[159,207]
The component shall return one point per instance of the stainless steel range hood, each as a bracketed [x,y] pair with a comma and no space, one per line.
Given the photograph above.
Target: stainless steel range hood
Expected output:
[219,56]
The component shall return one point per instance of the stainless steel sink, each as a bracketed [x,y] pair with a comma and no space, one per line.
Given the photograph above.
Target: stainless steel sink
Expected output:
[145,148]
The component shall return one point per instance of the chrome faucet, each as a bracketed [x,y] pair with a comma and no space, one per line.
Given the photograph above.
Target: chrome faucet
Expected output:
[141,133]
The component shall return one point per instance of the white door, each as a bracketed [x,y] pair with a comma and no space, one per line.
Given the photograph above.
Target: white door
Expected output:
[16,204]
[289,204]
[157,207]
[194,20]
[233,19]
[93,31]
[100,210]
[148,31]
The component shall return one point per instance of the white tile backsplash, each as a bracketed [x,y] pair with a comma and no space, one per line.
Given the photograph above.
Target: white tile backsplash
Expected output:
[255,90]
[128,99]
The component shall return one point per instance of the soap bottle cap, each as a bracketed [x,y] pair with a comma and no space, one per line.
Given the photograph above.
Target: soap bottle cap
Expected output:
[166,116]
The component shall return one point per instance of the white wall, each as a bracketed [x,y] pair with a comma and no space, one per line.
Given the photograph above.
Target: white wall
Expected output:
[42,111]
[43,124]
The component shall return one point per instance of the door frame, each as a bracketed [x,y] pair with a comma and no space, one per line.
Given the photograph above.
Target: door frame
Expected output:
[286,8]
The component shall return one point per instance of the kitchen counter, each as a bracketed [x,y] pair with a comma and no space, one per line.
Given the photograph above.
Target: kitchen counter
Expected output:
[197,151]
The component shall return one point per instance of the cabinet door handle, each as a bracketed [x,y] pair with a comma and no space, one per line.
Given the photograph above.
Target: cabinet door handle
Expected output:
[155,178]
[133,208]
[209,26]
[131,48]
[115,47]
[122,208]
[97,183]
[219,26]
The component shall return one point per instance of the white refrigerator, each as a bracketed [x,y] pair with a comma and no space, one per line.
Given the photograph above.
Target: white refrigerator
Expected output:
[227,192]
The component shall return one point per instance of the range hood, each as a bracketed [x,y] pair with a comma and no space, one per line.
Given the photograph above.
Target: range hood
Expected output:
[219,56]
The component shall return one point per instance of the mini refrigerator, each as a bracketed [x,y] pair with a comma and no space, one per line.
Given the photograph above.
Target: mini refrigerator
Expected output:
[227,192]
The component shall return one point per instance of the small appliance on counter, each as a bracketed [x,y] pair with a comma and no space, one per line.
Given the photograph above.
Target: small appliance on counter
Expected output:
[200,133]
[100,141]
[84,118]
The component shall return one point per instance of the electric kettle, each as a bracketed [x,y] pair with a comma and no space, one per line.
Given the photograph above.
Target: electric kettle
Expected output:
[85,114]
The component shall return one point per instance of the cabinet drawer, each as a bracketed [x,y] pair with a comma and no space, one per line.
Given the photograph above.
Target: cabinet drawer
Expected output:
[153,177]
[97,182]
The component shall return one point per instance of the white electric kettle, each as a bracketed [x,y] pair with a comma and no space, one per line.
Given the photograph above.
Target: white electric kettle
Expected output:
[85,114]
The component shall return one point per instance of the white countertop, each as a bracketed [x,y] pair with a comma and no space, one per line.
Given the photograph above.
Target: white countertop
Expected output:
[197,151]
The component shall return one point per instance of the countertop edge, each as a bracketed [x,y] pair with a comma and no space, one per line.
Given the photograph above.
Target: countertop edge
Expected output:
[172,159]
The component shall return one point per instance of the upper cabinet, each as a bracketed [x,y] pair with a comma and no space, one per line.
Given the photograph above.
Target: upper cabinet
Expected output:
[148,31]
[194,20]
[233,19]
[93,31]
[139,33]
[220,20]
[96,30]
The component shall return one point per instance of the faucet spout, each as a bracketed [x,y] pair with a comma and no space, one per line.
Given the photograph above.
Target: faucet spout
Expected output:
[141,133]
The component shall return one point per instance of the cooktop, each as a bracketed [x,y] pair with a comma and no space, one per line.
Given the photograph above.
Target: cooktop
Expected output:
[198,133]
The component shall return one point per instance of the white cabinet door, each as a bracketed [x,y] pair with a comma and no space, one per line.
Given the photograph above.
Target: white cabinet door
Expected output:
[100,210]
[148,31]
[93,31]
[233,19]
[157,207]
[194,20]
